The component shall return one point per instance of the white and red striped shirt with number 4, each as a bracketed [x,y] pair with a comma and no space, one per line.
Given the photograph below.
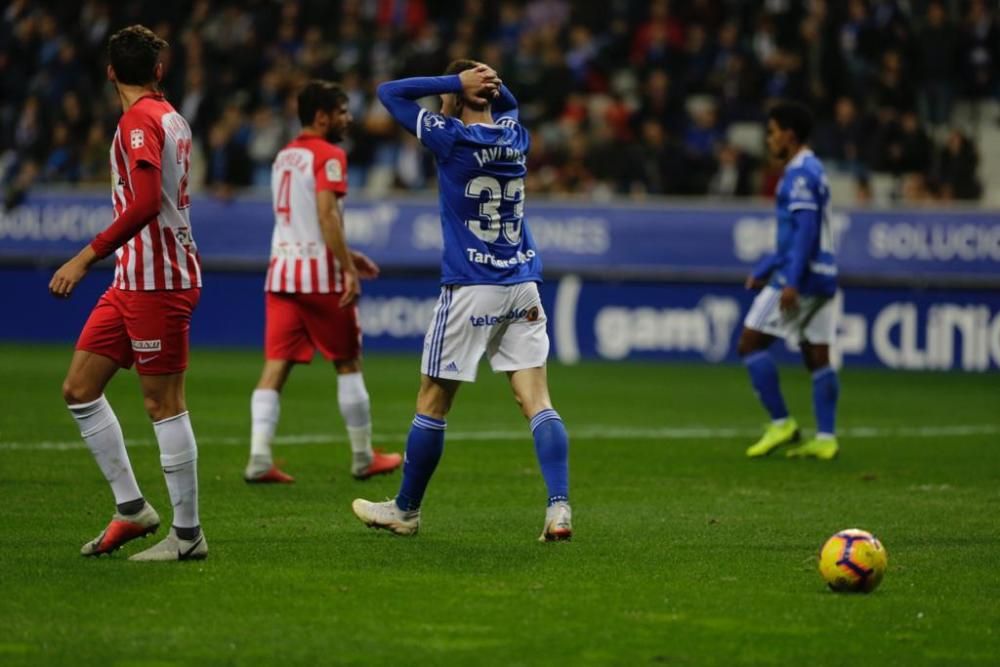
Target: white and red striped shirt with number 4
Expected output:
[162,255]
[301,263]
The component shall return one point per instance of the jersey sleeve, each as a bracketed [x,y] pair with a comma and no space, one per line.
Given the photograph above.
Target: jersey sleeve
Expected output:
[505,105]
[437,132]
[331,171]
[141,136]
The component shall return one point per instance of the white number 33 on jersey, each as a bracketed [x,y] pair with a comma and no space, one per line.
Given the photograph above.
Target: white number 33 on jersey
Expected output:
[334,172]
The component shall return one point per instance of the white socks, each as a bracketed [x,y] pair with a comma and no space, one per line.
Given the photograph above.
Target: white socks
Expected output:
[265,408]
[355,407]
[179,459]
[100,429]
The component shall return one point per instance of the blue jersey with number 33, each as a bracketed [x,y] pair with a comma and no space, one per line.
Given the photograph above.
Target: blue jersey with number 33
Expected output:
[481,182]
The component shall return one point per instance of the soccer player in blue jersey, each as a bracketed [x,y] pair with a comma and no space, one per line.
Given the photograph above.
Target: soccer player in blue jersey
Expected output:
[797,284]
[489,300]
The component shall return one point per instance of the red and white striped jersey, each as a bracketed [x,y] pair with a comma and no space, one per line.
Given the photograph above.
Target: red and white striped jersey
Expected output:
[300,260]
[163,255]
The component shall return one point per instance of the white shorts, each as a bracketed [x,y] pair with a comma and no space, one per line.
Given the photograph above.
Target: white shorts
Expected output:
[506,322]
[814,322]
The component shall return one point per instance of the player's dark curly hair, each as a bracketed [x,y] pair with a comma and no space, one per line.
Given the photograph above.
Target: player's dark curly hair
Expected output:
[793,116]
[133,53]
[457,67]
[319,95]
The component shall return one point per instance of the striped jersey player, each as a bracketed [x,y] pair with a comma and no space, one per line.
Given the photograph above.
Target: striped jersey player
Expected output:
[490,271]
[145,316]
[312,286]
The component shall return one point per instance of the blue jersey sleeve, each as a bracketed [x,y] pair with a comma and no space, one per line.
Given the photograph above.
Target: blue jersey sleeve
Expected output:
[505,105]
[764,267]
[400,97]
[437,132]
[804,206]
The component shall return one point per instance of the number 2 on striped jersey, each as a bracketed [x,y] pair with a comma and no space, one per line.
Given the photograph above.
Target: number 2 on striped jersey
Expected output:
[283,205]
[184,159]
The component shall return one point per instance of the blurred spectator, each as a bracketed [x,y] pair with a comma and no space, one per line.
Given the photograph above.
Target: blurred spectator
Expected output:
[938,42]
[957,168]
[844,140]
[733,176]
[62,164]
[909,150]
[980,58]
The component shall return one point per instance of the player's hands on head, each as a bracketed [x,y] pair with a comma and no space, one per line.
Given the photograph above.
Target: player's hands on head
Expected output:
[481,83]
[352,287]
[366,266]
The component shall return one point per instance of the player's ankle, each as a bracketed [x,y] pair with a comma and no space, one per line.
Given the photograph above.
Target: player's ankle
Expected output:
[131,506]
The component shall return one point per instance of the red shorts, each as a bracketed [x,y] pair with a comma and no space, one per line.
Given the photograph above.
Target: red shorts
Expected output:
[300,324]
[148,328]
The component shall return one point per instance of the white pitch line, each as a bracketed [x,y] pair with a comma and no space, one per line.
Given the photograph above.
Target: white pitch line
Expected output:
[576,433]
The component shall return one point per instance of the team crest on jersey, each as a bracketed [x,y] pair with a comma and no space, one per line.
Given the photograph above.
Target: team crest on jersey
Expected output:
[432,121]
[800,190]
[137,138]
[334,172]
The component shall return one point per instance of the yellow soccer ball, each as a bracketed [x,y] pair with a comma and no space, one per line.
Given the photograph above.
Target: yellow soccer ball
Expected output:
[852,561]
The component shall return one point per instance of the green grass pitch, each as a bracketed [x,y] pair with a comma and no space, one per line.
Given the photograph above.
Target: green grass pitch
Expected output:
[684,552]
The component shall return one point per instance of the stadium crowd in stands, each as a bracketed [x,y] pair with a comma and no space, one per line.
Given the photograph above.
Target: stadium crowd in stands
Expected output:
[622,96]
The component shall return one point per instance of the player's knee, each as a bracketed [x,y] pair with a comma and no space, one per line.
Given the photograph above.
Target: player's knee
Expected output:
[745,346]
[347,367]
[76,391]
[160,407]
[815,357]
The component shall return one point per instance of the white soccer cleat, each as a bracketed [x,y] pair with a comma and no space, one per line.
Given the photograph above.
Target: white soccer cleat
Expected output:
[558,523]
[174,548]
[123,528]
[387,516]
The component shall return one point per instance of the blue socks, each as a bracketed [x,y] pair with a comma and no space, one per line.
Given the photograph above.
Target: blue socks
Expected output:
[424,446]
[764,378]
[552,448]
[826,390]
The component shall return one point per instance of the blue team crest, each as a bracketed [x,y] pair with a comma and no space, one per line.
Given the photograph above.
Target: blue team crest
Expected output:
[433,121]
[800,190]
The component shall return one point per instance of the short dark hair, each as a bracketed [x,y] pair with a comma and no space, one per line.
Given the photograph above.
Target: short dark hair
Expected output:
[319,95]
[793,116]
[133,53]
[459,66]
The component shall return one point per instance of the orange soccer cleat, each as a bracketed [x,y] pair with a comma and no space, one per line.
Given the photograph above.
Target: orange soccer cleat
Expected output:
[381,464]
[122,529]
[272,475]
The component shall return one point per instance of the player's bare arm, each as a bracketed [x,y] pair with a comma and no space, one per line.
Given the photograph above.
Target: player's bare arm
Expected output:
[71,273]
[140,212]
[332,225]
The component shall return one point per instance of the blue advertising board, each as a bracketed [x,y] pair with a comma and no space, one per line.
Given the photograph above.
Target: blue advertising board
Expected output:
[589,319]
[651,241]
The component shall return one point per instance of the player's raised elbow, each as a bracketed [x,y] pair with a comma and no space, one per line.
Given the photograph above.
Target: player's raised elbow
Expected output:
[384,92]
